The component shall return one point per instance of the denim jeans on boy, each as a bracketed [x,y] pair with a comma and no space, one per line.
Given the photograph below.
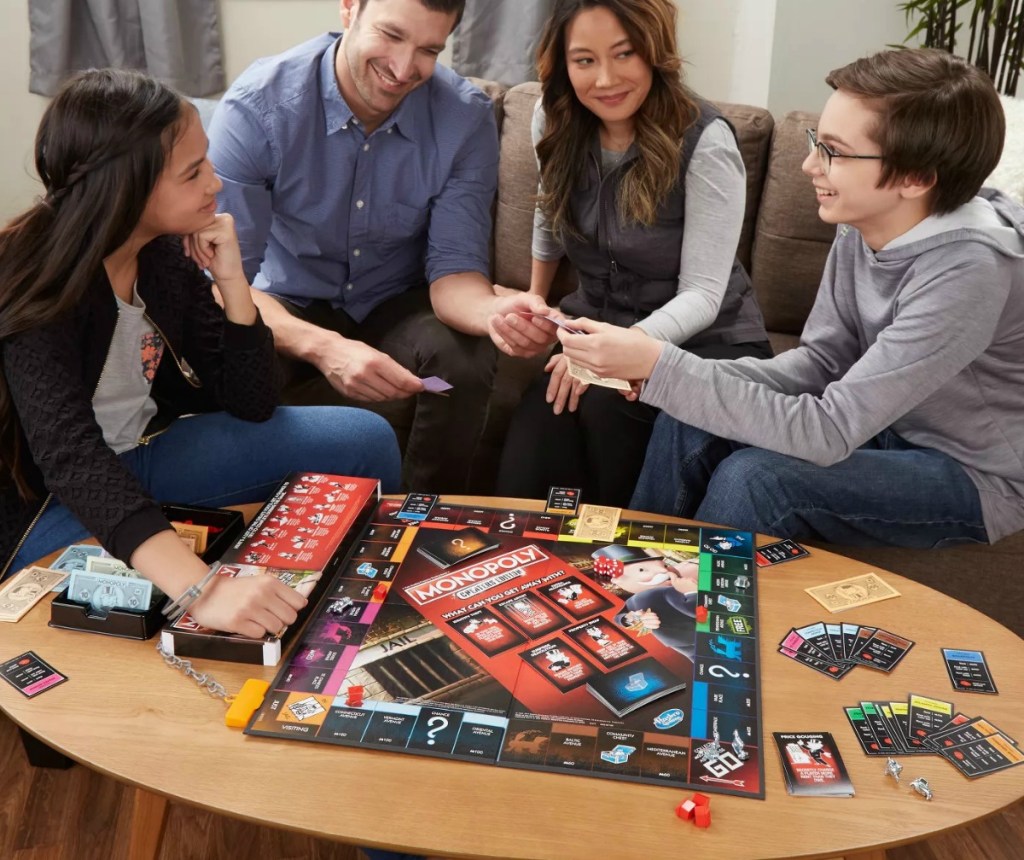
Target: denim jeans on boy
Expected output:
[887,493]
[216,460]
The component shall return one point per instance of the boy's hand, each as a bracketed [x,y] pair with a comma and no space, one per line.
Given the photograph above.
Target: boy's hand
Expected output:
[608,350]
[563,389]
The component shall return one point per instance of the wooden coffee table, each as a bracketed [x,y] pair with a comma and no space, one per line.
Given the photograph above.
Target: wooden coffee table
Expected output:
[125,714]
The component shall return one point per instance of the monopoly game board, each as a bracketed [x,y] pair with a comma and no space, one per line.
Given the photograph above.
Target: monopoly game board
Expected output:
[495,636]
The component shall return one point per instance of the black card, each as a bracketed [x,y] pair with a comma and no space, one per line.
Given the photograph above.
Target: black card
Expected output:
[776,553]
[450,548]
[983,756]
[416,506]
[562,500]
[30,675]
[968,671]
[812,765]
[884,650]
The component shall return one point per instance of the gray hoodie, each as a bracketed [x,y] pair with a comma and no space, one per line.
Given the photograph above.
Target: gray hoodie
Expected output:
[925,336]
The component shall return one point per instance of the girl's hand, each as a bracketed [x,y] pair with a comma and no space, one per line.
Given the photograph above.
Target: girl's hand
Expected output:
[608,350]
[216,248]
[563,389]
[251,605]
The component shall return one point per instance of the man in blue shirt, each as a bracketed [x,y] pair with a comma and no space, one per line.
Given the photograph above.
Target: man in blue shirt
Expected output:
[361,175]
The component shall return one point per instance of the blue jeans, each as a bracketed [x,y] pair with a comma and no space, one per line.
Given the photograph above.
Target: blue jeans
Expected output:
[216,460]
[887,493]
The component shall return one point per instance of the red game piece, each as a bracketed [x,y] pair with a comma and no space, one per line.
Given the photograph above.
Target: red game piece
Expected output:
[685,809]
[701,799]
[702,816]
[354,695]
[702,614]
[380,592]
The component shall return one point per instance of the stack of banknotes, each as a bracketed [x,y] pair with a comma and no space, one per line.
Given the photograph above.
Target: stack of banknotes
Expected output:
[105,583]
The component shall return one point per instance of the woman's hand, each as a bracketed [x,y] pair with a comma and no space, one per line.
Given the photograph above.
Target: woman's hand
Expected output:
[251,605]
[563,389]
[609,350]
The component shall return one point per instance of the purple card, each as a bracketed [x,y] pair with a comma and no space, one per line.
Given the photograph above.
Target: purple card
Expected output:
[435,385]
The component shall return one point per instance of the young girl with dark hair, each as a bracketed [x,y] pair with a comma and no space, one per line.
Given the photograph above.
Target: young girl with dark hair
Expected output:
[643,188]
[111,336]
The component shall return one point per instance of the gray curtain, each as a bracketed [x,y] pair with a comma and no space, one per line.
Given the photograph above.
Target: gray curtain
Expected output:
[497,39]
[177,41]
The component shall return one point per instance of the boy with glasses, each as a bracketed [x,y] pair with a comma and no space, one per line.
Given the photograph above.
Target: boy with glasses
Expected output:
[898,419]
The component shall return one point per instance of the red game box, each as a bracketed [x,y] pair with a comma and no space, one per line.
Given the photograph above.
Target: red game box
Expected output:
[301,534]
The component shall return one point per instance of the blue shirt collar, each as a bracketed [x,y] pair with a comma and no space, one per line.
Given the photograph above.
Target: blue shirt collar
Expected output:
[337,114]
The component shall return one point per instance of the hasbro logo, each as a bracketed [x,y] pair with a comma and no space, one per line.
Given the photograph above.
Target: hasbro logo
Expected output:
[669,718]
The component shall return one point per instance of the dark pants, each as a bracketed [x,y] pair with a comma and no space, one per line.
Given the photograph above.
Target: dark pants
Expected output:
[439,434]
[599,448]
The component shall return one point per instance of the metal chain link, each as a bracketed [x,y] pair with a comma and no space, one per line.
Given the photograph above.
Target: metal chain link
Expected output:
[203,679]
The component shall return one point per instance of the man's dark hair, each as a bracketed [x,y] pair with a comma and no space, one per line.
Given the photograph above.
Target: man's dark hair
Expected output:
[446,6]
[938,117]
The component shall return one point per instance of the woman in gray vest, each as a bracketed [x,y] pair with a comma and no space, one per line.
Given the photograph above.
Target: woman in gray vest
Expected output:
[628,157]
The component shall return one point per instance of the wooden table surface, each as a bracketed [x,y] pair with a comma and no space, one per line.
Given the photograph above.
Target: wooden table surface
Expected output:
[124,713]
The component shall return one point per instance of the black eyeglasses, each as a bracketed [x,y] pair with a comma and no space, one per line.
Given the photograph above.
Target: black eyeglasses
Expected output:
[826,153]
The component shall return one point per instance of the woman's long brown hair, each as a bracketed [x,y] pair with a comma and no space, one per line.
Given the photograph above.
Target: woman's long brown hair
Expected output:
[100,149]
[667,112]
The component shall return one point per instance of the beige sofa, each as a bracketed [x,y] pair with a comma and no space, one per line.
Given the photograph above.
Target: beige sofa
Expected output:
[784,246]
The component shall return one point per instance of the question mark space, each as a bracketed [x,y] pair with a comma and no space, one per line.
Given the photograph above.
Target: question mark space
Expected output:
[438,724]
[717,671]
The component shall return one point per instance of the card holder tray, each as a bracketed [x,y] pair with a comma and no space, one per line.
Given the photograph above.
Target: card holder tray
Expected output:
[69,614]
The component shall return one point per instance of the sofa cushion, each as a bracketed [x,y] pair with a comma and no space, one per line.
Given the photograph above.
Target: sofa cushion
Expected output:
[754,135]
[791,242]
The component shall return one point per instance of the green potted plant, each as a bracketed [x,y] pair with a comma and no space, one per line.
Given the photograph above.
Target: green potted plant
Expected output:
[996,34]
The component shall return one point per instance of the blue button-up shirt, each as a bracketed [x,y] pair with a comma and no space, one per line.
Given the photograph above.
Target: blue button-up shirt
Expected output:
[324,211]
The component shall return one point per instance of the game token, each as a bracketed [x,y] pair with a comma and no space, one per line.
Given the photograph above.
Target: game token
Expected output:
[893,768]
[920,785]
[702,816]
[702,614]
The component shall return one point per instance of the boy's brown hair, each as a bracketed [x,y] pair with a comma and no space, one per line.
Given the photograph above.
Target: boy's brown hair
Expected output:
[938,117]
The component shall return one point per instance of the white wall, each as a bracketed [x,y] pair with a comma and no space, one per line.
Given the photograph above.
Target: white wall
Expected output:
[812,37]
[771,53]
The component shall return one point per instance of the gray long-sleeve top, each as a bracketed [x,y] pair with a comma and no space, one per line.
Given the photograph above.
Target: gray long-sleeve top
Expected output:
[925,336]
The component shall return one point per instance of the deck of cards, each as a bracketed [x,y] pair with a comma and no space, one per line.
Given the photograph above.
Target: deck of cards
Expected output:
[925,726]
[812,765]
[835,649]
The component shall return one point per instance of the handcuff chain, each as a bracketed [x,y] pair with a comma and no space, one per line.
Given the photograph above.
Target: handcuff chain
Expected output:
[203,679]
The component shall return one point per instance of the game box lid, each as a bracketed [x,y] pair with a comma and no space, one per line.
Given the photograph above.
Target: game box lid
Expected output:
[301,534]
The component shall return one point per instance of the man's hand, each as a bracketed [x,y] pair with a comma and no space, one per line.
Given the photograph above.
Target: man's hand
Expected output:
[251,605]
[608,350]
[563,389]
[363,373]
[513,329]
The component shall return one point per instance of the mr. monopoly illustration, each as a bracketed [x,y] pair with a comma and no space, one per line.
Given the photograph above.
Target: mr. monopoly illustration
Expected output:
[662,593]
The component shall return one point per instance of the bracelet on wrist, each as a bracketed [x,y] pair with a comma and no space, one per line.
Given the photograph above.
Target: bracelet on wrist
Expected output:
[179,607]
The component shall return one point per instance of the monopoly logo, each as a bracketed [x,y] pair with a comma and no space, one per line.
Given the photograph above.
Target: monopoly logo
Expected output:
[476,578]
